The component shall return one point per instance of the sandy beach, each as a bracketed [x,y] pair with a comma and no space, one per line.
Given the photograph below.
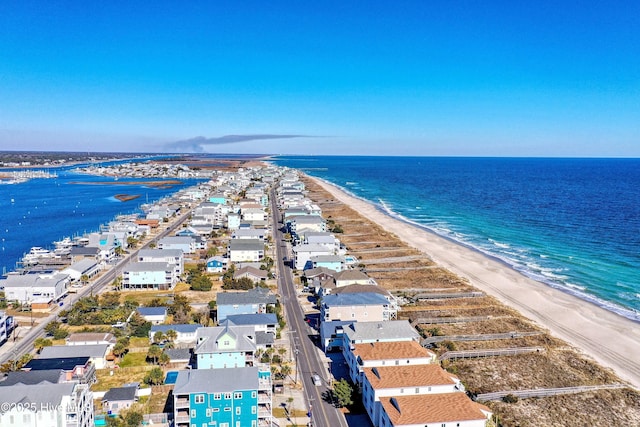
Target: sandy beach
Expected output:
[612,340]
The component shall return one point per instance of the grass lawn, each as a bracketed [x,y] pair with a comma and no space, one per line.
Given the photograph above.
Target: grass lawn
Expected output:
[120,376]
[138,342]
[279,412]
[133,359]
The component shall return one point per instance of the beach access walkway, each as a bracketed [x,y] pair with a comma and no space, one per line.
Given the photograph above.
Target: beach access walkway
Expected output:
[546,392]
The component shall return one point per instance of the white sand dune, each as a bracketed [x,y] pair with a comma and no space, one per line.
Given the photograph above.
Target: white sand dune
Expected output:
[612,340]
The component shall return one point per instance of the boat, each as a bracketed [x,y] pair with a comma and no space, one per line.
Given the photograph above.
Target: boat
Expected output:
[35,254]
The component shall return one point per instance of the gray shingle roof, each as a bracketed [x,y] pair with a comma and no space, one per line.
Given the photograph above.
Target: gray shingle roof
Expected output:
[182,328]
[207,339]
[120,394]
[57,351]
[391,329]
[361,298]
[264,338]
[152,311]
[51,376]
[254,296]
[216,380]
[252,319]
[38,394]
[246,245]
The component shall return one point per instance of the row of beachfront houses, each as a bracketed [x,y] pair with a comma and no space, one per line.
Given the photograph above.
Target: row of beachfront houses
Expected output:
[402,383]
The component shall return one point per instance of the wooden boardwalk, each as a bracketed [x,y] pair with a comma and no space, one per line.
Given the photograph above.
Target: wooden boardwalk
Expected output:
[472,354]
[545,392]
[446,295]
[445,320]
[479,337]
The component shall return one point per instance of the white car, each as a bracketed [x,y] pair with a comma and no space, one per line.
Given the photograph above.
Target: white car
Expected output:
[316,380]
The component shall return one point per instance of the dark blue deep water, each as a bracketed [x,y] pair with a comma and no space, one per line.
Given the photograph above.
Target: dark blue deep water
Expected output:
[40,211]
[573,224]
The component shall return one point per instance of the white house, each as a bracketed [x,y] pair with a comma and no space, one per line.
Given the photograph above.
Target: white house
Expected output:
[391,353]
[303,254]
[185,333]
[246,250]
[55,405]
[254,214]
[97,353]
[169,256]
[184,243]
[155,315]
[86,266]
[389,381]
[449,410]
[26,288]
[149,275]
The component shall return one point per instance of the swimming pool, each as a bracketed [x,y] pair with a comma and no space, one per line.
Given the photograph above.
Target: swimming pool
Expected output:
[171,377]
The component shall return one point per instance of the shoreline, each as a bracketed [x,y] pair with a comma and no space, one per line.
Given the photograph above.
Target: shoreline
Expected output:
[611,339]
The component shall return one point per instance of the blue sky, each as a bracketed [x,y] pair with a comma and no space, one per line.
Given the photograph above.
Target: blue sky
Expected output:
[509,78]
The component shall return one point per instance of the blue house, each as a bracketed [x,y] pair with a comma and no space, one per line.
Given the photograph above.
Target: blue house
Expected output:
[253,301]
[216,264]
[223,397]
[224,347]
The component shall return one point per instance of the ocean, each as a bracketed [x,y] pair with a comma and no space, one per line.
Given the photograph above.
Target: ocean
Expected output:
[573,224]
[41,211]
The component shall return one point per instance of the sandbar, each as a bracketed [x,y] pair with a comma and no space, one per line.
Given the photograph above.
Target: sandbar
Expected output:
[610,339]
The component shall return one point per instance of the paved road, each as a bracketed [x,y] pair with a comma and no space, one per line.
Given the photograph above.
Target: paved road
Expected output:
[307,355]
[13,350]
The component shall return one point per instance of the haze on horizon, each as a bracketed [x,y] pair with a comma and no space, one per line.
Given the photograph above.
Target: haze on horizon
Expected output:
[466,78]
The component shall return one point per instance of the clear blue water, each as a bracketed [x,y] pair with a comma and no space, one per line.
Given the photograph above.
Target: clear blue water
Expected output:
[41,211]
[573,224]
[171,378]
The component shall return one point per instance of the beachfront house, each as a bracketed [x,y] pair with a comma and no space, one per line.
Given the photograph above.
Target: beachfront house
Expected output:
[369,332]
[149,275]
[59,405]
[304,252]
[255,300]
[389,381]
[300,223]
[223,397]
[437,410]
[390,353]
[332,262]
[240,250]
[357,307]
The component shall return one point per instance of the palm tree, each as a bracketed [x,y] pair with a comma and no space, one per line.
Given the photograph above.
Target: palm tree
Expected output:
[154,353]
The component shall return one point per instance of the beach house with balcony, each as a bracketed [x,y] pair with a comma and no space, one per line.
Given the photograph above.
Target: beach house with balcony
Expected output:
[222,347]
[174,257]
[58,405]
[149,275]
[432,410]
[390,353]
[390,381]
[357,307]
[223,397]
[305,252]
